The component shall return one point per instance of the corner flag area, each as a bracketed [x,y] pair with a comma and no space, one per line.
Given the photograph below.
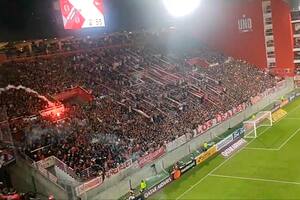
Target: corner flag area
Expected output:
[267,167]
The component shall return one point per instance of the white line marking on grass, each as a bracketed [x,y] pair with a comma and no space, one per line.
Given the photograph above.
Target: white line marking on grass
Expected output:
[275,149]
[293,110]
[292,118]
[262,149]
[283,144]
[256,179]
[221,164]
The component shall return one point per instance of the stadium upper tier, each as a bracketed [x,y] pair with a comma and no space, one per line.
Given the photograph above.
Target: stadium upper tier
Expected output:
[145,97]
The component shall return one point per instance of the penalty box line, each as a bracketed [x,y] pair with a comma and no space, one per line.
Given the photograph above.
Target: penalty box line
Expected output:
[221,164]
[276,149]
[256,179]
[293,118]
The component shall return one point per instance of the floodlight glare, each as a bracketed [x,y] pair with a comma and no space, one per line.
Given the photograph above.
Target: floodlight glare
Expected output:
[179,8]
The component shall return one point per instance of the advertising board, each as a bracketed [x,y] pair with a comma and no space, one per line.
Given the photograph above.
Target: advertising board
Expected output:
[189,165]
[158,186]
[205,155]
[233,148]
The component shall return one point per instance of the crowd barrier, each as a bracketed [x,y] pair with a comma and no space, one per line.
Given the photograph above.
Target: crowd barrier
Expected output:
[151,157]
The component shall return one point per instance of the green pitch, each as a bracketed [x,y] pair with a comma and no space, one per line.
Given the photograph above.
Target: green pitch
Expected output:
[267,168]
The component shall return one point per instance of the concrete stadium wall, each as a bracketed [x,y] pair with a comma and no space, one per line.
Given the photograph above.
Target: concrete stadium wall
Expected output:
[26,178]
[119,184]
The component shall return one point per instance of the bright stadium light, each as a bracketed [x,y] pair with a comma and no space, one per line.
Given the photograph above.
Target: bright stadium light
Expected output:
[179,8]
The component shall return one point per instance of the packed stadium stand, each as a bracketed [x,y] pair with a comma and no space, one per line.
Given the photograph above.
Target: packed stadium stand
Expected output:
[143,97]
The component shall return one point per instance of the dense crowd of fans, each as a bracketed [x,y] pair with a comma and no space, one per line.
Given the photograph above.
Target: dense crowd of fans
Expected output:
[144,98]
[53,46]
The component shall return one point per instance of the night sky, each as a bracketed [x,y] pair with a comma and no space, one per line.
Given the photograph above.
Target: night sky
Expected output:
[30,19]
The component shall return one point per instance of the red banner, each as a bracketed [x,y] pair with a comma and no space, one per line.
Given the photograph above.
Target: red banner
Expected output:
[220,118]
[151,156]
[121,167]
[88,185]
[256,99]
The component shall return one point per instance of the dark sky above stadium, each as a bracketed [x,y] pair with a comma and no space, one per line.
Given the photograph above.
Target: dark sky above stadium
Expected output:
[27,19]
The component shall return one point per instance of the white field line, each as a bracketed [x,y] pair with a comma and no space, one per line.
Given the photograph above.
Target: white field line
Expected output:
[221,164]
[295,118]
[283,144]
[280,147]
[261,149]
[256,179]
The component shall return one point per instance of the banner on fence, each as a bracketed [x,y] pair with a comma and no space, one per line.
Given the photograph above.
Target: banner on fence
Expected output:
[205,155]
[176,143]
[220,118]
[121,167]
[269,91]
[88,185]
[150,157]
[206,126]
[255,99]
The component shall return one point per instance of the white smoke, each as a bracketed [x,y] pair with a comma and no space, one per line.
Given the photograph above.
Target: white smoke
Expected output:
[29,90]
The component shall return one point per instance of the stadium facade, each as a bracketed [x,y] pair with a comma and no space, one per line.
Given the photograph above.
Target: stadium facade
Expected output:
[260,32]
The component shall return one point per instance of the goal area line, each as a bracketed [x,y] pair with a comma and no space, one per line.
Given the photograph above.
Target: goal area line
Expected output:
[256,179]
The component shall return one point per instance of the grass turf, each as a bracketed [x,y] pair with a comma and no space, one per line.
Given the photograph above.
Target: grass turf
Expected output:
[267,168]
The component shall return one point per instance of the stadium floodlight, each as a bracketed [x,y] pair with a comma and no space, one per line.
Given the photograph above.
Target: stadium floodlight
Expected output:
[263,118]
[179,8]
